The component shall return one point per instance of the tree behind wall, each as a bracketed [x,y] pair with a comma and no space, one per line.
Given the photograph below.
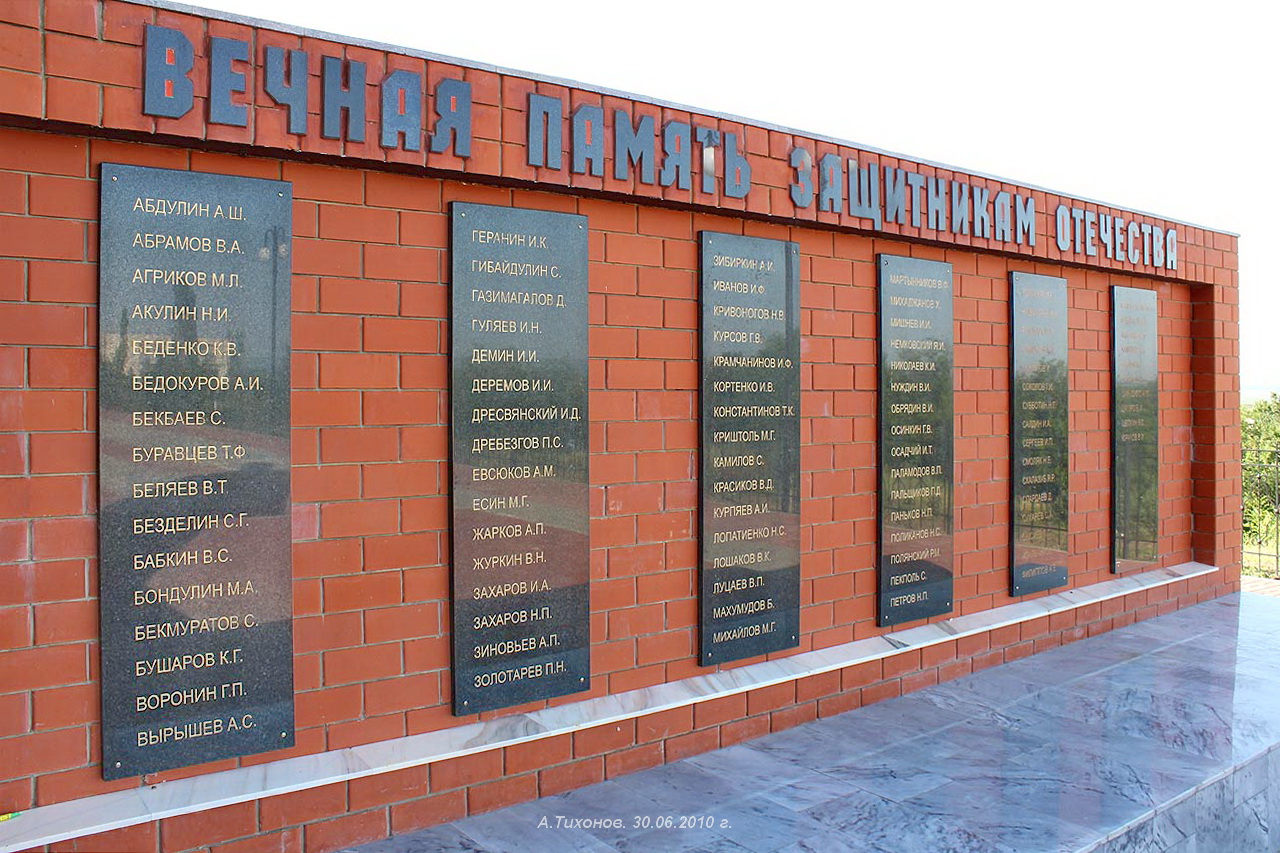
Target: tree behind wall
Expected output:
[1260,442]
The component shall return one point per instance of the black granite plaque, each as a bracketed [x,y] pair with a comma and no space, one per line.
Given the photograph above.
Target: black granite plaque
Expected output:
[1135,428]
[916,447]
[195,518]
[750,509]
[1038,410]
[520,448]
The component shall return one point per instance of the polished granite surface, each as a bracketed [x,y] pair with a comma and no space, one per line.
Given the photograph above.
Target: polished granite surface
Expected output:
[1157,736]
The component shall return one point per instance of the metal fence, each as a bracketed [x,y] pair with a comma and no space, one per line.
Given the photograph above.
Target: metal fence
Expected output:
[1261,470]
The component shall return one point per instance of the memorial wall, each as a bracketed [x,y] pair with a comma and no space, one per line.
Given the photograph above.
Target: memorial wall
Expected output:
[386,438]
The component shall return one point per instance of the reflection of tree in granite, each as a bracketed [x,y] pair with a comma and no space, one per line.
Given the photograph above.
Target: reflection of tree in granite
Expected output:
[1137,481]
[781,461]
[941,419]
[1051,531]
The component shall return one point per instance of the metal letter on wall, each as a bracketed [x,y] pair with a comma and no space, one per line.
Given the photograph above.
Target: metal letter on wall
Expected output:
[195,519]
[916,447]
[521,629]
[750,508]
[1135,428]
[1039,464]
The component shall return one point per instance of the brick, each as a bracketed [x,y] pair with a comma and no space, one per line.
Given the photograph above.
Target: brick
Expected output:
[429,811]
[694,743]
[405,693]
[41,410]
[503,792]
[466,770]
[604,739]
[44,752]
[325,183]
[540,753]
[348,666]
[15,542]
[70,198]
[286,841]
[55,281]
[26,14]
[401,552]
[326,257]
[326,408]
[302,806]
[62,368]
[359,592]
[21,93]
[68,17]
[37,324]
[315,559]
[13,453]
[200,828]
[385,189]
[43,496]
[400,407]
[62,707]
[359,296]
[27,151]
[403,263]
[361,444]
[359,518]
[66,622]
[367,730]
[89,59]
[358,370]
[386,788]
[401,334]
[630,760]
[13,199]
[326,333]
[22,48]
[633,249]
[568,777]
[362,224]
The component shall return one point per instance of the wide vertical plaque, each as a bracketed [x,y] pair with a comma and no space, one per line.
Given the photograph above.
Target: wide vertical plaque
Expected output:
[195,513]
[750,511]
[1135,428]
[916,446]
[521,627]
[1039,460]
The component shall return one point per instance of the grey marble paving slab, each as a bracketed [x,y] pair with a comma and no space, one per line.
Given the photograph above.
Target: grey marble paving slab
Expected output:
[528,828]
[807,793]
[764,825]
[900,827]
[1159,737]
[437,839]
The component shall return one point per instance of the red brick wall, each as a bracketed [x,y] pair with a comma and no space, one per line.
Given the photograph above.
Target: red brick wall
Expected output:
[370,444]
[79,62]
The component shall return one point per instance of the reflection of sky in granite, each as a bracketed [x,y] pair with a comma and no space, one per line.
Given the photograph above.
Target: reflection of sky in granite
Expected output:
[1162,729]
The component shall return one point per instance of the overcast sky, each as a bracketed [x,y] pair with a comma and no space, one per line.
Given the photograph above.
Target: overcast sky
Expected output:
[1165,107]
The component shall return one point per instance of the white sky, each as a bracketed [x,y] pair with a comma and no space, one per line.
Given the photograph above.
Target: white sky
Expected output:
[1164,107]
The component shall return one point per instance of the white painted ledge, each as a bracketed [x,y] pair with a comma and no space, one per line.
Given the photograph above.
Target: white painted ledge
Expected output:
[88,815]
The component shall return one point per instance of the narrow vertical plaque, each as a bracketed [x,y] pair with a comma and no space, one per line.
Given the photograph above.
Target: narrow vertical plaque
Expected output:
[750,509]
[916,447]
[521,627]
[195,519]
[1135,427]
[1039,413]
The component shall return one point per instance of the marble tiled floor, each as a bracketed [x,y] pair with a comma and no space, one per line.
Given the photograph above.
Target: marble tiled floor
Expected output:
[1056,752]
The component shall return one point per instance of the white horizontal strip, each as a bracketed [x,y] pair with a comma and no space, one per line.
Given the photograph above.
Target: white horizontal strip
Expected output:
[88,815]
